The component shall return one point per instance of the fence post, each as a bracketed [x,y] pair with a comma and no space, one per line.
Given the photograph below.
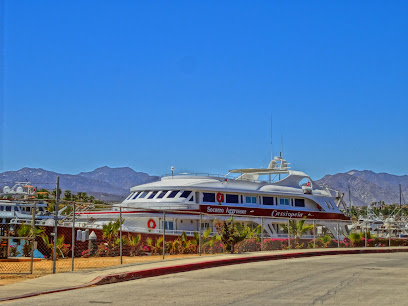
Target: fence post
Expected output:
[199,239]
[389,233]
[54,253]
[262,230]
[288,233]
[314,234]
[33,211]
[73,239]
[338,235]
[365,235]
[164,233]
[120,234]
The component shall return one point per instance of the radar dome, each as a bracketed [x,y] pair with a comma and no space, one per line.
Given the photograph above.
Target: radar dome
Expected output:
[6,189]
[20,189]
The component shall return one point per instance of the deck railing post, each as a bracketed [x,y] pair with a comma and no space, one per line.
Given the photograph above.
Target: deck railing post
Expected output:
[73,238]
[120,235]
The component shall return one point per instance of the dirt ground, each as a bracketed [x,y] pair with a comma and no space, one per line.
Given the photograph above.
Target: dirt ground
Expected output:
[9,270]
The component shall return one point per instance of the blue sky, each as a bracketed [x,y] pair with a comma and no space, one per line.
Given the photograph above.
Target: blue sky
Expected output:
[192,84]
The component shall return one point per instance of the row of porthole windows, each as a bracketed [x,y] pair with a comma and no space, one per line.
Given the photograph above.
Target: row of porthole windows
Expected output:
[209,197]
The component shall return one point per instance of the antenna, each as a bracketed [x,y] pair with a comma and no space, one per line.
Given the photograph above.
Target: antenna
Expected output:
[282,145]
[271,139]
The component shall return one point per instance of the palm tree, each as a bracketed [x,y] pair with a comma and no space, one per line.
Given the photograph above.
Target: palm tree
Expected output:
[133,242]
[67,195]
[355,238]
[325,240]
[231,233]
[156,246]
[26,230]
[110,233]
[298,228]
[49,243]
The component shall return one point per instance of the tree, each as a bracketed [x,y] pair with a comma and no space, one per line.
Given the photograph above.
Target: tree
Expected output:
[62,248]
[298,228]
[355,238]
[110,233]
[325,240]
[133,242]
[67,195]
[54,193]
[26,230]
[230,234]
[84,197]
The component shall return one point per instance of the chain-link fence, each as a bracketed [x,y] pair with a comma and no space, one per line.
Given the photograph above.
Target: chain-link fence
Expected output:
[94,236]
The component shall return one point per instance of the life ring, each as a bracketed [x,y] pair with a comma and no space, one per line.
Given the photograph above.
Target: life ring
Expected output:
[151,224]
[220,197]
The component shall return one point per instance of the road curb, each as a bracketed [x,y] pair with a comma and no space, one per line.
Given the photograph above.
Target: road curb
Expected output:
[133,275]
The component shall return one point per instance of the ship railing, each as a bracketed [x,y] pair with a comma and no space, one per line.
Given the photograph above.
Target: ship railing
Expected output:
[229,177]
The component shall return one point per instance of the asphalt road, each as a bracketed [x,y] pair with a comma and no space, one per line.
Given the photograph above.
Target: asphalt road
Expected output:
[369,279]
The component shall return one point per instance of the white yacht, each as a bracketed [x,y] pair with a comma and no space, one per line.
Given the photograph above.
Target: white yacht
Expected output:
[193,200]
[16,205]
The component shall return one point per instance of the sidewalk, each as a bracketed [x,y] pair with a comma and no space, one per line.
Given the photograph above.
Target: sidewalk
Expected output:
[80,279]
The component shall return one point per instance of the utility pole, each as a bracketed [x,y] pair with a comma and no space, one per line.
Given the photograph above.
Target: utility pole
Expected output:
[54,255]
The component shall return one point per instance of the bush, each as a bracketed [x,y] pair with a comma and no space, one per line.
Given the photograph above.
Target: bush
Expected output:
[13,252]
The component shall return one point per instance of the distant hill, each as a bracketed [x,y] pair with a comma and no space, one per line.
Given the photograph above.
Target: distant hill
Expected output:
[367,186]
[107,184]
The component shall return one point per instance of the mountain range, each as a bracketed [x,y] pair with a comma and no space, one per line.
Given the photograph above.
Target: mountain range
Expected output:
[105,183]
[367,186]
[113,184]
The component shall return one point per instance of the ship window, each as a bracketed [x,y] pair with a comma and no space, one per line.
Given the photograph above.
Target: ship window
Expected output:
[231,198]
[208,197]
[152,195]
[173,194]
[143,194]
[168,225]
[283,201]
[300,202]
[268,200]
[250,199]
[162,194]
[192,199]
[130,195]
[134,197]
[185,194]
[8,208]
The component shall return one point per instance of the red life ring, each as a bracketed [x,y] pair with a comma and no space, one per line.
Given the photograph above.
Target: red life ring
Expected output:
[220,197]
[151,224]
